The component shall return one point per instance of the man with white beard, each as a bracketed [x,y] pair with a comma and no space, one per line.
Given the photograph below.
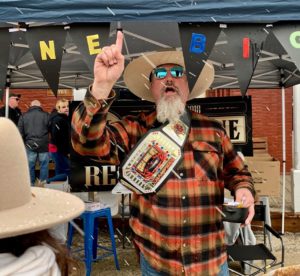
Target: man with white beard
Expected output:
[169,107]
[177,227]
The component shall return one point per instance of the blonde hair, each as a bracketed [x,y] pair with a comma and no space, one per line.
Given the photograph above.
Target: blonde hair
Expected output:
[60,103]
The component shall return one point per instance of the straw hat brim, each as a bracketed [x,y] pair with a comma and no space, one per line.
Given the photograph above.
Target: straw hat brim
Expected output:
[46,209]
[137,72]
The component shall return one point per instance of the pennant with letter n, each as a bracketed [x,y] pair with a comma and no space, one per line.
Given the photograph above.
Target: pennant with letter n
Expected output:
[46,45]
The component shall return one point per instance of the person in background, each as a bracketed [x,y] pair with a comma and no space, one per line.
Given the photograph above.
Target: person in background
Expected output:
[26,214]
[178,229]
[59,147]
[33,126]
[14,112]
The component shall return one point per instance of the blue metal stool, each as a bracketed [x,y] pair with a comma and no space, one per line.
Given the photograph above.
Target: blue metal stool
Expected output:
[91,238]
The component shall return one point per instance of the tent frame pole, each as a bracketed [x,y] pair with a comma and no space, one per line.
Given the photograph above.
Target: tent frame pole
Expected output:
[283,158]
[6,102]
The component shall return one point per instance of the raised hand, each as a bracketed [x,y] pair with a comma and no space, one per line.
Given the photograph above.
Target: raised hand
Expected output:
[108,67]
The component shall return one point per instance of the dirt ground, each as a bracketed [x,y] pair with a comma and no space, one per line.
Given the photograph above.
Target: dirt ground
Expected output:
[128,259]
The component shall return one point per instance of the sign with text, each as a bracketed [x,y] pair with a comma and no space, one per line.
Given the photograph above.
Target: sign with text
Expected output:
[61,92]
[235,127]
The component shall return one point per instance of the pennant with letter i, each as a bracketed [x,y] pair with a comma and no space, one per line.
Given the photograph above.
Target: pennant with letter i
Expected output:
[245,43]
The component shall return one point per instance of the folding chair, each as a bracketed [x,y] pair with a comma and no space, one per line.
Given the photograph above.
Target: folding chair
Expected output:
[247,254]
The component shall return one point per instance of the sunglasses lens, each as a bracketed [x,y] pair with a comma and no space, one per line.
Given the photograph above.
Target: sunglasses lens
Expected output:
[177,72]
[160,73]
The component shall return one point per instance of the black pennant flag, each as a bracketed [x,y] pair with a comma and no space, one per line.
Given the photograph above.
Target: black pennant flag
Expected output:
[245,43]
[289,37]
[46,45]
[90,39]
[4,56]
[197,40]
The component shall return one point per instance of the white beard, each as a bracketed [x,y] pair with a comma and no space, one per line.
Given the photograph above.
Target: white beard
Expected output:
[169,108]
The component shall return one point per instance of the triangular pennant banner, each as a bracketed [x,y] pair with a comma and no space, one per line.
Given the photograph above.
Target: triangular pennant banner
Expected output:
[272,45]
[4,56]
[17,53]
[289,37]
[90,39]
[197,41]
[46,45]
[245,43]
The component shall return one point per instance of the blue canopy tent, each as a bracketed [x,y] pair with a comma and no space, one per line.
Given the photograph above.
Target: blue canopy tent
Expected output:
[138,10]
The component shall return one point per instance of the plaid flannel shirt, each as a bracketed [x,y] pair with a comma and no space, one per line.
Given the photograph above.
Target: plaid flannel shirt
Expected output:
[177,229]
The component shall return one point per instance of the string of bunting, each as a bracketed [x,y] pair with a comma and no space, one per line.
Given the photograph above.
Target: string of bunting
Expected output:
[246,42]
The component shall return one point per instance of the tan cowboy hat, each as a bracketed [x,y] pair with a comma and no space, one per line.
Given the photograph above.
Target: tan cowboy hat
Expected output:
[137,72]
[25,209]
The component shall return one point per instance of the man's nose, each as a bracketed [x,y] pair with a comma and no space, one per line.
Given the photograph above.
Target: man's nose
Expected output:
[169,80]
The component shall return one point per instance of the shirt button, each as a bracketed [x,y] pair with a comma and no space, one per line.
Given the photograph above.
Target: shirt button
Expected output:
[184,221]
[183,197]
[181,174]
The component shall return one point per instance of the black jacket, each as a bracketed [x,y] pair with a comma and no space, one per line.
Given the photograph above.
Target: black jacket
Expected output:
[13,113]
[33,126]
[60,131]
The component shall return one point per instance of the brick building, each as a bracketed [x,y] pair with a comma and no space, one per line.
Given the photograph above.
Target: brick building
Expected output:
[266,114]
[267,118]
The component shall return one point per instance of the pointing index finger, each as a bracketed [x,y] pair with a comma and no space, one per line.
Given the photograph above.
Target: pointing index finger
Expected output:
[119,40]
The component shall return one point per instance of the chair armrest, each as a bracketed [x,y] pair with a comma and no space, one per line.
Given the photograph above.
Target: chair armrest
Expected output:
[273,231]
[277,235]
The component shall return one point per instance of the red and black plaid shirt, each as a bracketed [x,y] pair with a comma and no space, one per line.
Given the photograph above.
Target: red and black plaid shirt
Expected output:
[178,229]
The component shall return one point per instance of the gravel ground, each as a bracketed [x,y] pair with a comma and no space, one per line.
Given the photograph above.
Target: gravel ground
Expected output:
[129,265]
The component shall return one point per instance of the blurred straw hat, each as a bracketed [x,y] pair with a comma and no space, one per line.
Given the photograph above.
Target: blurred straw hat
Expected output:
[25,209]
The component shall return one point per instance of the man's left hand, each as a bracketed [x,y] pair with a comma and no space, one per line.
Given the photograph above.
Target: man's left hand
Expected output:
[244,196]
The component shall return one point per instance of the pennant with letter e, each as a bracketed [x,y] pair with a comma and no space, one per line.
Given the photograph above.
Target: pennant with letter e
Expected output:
[90,39]
[4,56]
[245,43]
[197,40]
[46,45]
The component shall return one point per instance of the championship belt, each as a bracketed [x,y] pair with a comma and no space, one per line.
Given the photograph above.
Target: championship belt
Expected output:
[155,156]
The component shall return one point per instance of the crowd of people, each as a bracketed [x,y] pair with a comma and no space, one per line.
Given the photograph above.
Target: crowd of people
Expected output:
[46,137]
